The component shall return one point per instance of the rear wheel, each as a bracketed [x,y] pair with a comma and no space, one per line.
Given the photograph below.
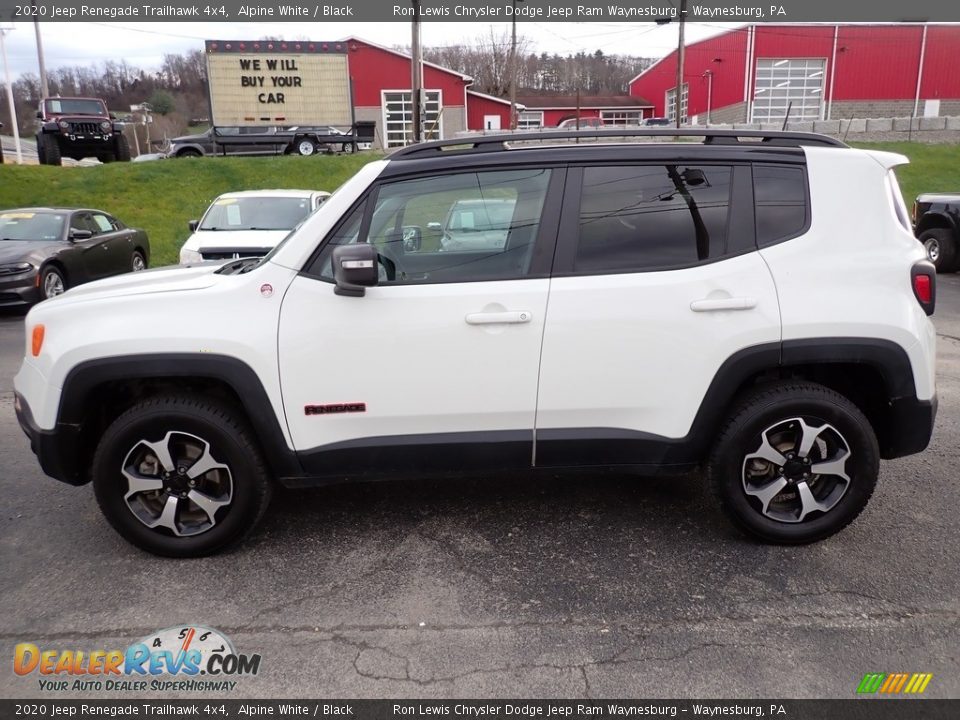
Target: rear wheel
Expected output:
[941,247]
[48,150]
[137,261]
[795,463]
[305,146]
[188,153]
[180,476]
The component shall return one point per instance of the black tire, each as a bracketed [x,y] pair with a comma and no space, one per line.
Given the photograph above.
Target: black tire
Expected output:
[347,148]
[121,148]
[181,420]
[52,277]
[304,147]
[48,150]
[941,247]
[106,158]
[138,261]
[771,412]
[189,153]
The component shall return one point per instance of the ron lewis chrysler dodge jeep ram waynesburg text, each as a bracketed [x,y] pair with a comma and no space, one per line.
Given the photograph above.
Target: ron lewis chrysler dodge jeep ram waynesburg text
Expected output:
[646,306]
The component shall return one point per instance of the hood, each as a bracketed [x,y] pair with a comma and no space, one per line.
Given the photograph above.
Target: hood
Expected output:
[172,279]
[235,238]
[12,251]
[76,116]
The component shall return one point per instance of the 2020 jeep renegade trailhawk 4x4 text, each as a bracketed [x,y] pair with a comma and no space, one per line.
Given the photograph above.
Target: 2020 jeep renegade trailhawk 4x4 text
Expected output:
[653,306]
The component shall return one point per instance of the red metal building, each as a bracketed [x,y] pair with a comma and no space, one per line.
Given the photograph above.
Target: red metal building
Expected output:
[820,72]
[551,110]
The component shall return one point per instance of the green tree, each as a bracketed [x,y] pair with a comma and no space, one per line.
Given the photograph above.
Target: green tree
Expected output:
[161,101]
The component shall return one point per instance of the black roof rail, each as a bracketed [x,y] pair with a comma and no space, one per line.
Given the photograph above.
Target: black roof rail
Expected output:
[711,136]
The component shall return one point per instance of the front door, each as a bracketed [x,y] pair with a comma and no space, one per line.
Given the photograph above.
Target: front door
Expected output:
[97,261]
[434,369]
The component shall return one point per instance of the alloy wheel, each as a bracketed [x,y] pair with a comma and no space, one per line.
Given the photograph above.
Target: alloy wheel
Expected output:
[175,484]
[52,285]
[798,470]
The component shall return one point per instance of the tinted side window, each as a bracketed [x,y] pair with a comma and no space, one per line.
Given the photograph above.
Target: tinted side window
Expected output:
[780,200]
[652,217]
[452,228]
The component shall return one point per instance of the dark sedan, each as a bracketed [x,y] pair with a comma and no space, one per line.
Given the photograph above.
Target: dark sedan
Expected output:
[45,251]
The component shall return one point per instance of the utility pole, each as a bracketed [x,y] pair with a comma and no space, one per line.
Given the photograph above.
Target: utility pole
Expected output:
[13,108]
[708,74]
[513,67]
[416,75]
[680,58]
[44,89]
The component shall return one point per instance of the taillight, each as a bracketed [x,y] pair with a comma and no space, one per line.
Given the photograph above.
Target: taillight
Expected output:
[923,278]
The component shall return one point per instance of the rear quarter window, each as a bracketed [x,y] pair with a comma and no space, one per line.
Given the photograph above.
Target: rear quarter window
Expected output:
[781,204]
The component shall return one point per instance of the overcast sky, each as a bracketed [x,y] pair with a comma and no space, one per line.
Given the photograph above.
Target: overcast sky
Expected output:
[144,44]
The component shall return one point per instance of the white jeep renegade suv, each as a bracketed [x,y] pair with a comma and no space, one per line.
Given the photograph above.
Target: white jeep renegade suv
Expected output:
[653,306]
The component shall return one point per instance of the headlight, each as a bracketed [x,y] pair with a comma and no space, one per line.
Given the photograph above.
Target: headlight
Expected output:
[106,125]
[64,125]
[15,268]
[189,256]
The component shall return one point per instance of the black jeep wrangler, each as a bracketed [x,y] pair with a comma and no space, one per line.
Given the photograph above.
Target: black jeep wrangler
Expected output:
[936,223]
[77,127]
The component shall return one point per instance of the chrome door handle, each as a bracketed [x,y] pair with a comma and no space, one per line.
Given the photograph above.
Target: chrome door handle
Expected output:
[715,304]
[492,318]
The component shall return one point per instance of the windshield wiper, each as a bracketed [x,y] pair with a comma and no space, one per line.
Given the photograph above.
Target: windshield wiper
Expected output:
[237,266]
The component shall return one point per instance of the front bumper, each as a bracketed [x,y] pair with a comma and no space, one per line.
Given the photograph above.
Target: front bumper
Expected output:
[19,289]
[55,449]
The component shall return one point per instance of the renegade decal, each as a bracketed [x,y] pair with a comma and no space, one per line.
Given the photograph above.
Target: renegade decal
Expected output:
[335,408]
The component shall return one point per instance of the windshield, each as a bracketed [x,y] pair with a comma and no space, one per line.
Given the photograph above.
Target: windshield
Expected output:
[477,215]
[74,106]
[256,213]
[30,226]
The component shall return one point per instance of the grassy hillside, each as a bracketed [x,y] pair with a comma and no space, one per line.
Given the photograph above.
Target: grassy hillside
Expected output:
[162,196]
[932,167]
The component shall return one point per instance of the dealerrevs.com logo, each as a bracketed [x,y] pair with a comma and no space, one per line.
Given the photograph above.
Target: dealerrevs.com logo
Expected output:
[186,658]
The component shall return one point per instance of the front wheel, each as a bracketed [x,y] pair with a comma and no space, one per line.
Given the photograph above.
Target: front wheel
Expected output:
[795,463]
[52,282]
[180,477]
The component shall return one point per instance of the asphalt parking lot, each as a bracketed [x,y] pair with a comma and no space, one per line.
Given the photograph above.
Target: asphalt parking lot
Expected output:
[599,586]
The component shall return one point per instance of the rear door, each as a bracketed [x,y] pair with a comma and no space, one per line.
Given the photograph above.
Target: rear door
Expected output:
[435,369]
[658,282]
[117,241]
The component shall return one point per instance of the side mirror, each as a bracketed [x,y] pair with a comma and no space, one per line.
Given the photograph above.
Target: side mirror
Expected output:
[39,115]
[193,225]
[355,269]
[76,234]
[694,177]
[112,116]
[412,238]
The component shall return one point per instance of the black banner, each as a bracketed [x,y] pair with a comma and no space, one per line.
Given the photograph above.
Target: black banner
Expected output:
[854,709]
[352,11]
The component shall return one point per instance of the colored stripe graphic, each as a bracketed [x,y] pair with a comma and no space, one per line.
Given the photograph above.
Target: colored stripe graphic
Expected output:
[871,682]
[894,683]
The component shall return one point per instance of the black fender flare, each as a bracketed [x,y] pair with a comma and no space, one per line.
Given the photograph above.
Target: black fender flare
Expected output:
[236,374]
